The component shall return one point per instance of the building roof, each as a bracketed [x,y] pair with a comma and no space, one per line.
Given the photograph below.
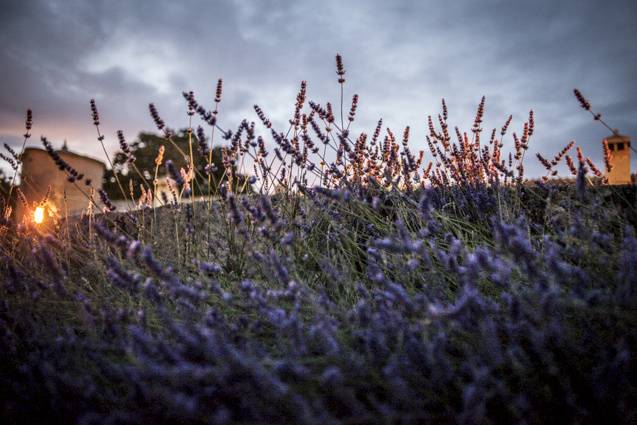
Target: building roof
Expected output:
[618,137]
[68,152]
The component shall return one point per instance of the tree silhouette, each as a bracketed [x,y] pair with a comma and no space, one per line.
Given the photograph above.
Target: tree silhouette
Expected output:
[142,171]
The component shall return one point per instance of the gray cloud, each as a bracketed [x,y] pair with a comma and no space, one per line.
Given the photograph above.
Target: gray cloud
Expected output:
[401,58]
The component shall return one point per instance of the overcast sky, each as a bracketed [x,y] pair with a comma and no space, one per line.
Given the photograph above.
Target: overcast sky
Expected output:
[400,57]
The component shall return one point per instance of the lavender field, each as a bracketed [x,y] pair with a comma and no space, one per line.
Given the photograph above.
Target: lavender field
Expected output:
[319,275]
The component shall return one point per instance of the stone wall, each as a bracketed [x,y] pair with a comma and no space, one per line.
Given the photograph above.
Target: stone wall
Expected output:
[39,172]
[620,159]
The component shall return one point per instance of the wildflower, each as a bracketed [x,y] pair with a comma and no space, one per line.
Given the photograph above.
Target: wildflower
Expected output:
[10,161]
[191,102]
[28,123]
[172,172]
[607,157]
[160,156]
[201,141]
[581,180]
[219,90]
[210,268]
[340,69]
[571,165]
[582,100]
[155,115]
[95,115]
[506,125]
[266,122]
[479,114]
[106,200]
[352,111]
[124,146]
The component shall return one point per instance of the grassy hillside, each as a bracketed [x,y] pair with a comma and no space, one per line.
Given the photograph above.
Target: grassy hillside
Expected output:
[354,284]
[334,306]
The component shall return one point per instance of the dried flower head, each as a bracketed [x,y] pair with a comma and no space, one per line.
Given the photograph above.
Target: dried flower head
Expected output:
[218,91]
[352,111]
[608,162]
[266,122]
[95,115]
[582,100]
[479,114]
[156,118]
[445,112]
[28,124]
[160,155]
[123,145]
[340,69]
[571,165]
[191,102]
[505,127]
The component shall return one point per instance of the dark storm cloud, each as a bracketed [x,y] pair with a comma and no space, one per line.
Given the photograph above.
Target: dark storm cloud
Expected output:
[401,57]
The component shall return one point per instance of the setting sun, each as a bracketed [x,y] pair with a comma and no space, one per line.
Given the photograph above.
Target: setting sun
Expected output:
[38,215]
